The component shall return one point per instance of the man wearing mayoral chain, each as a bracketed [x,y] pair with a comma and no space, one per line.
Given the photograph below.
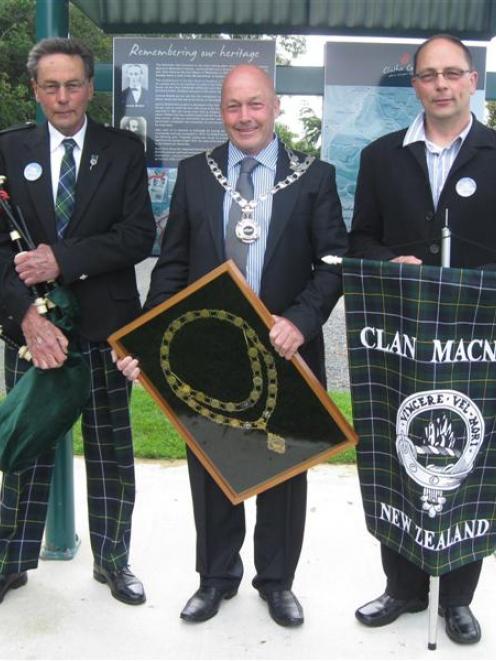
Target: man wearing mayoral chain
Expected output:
[275,213]
[407,180]
[62,175]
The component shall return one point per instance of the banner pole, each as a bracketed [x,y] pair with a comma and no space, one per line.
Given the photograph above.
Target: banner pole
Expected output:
[433,611]
[434,580]
[446,242]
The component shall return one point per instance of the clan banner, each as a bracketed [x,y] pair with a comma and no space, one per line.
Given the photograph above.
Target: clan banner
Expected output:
[422,352]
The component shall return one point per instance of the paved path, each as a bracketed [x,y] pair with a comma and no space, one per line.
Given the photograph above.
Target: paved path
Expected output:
[63,613]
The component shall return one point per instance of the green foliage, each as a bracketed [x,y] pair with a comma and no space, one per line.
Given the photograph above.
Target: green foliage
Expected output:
[491,116]
[284,133]
[81,27]
[309,143]
[343,402]
[156,438]
[288,47]
[16,39]
[17,105]
[17,36]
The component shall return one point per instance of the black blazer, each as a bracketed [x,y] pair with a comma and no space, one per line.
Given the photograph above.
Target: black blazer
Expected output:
[128,101]
[306,224]
[394,212]
[112,227]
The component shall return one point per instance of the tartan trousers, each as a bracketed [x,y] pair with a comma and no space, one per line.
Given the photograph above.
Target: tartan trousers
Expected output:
[109,460]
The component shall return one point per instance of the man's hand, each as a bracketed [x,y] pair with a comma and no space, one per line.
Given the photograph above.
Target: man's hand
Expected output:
[407,259]
[128,366]
[285,337]
[46,343]
[35,266]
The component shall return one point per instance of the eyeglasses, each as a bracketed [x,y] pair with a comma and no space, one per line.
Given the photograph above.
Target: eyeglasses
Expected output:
[72,87]
[451,73]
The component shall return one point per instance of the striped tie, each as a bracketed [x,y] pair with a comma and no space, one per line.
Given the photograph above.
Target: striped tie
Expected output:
[236,249]
[66,191]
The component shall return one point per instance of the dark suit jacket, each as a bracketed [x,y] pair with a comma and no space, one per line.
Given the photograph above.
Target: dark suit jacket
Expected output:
[112,227]
[306,224]
[128,98]
[394,212]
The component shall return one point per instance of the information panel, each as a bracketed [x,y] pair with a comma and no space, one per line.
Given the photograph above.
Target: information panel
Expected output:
[168,92]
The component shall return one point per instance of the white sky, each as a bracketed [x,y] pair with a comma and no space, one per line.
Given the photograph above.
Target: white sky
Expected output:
[315,57]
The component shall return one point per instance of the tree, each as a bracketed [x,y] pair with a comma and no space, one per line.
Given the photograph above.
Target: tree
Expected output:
[309,143]
[491,117]
[17,35]
[16,38]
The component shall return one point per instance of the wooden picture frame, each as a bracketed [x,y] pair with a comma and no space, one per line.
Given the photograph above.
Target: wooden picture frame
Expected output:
[252,418]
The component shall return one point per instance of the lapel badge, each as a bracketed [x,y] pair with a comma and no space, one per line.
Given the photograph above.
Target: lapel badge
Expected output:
[33,171]
[466,186]
[93,160]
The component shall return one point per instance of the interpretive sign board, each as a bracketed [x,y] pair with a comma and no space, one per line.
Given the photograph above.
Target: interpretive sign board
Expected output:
[168,92]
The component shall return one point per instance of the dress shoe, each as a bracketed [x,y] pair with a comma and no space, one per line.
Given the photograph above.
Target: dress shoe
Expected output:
[284,607]
[12,582]
[386,609]
[205,603]
[123,584]
[461,624]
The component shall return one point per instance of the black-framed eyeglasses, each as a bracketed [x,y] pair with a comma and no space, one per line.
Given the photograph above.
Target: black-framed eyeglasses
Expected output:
[450,73]
[72,87]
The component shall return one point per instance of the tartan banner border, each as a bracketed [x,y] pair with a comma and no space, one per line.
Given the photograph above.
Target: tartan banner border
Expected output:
[428,334]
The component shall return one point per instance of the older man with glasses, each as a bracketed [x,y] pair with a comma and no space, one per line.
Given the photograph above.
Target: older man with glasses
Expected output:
[82,188]
[445,161]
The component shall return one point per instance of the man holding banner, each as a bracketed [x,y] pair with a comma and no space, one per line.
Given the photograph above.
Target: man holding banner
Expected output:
[411,184]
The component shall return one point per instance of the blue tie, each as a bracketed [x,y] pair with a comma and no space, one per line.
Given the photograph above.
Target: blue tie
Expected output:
[66,191]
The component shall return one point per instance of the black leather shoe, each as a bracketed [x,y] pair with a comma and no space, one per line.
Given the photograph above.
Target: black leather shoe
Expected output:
[386,609]
[12,582]
[205,603]
[123,584]
[461,624]
[284,607]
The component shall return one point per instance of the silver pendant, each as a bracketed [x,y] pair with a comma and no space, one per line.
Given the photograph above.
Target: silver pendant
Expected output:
[247,229]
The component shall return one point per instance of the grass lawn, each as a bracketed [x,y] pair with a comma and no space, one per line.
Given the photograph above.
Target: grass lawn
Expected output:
[156,438]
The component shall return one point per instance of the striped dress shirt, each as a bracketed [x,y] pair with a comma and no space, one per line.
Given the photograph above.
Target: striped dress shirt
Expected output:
[439,159]
[263,180]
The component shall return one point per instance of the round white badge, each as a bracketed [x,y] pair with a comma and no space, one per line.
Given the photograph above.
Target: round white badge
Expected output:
[465,187]
[32,171]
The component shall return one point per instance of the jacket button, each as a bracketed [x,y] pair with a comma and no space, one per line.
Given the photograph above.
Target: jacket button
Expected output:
[434,248]
[429,216]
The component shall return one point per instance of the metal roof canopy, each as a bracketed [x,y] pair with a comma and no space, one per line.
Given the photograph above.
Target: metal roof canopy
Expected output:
[468,19]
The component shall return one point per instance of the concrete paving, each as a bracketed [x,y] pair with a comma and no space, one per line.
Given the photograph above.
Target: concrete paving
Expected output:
[63,613]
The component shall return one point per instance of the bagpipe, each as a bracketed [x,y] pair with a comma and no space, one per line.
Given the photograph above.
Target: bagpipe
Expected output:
[44,403]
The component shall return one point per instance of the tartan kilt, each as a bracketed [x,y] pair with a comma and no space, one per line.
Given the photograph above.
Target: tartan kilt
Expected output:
[108,451]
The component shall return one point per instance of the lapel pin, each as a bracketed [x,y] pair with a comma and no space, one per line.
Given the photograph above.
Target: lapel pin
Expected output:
[466,186]
[32,171]
[93,160]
